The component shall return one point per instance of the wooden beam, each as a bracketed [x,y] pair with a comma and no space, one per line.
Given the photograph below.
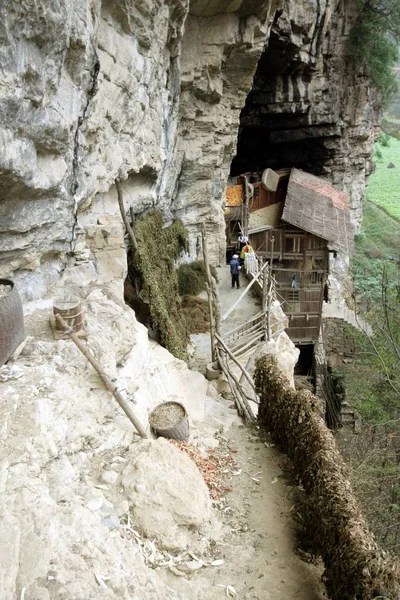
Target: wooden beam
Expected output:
[124,217]
[210,293]
[242,295]
[105,378]
[211,316]
[235,360]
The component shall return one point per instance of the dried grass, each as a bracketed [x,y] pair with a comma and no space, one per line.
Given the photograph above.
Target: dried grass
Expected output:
[356,568]
[214,467]
[196,314]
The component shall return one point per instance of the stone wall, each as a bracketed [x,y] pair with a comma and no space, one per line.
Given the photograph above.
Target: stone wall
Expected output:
[339,339]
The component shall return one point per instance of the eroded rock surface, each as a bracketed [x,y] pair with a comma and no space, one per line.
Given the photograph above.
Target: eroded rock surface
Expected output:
[151,92]
[170,501]
[92,91]
[70,456]
[309,108]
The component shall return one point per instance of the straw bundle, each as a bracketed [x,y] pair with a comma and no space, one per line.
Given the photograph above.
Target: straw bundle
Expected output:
[356,568]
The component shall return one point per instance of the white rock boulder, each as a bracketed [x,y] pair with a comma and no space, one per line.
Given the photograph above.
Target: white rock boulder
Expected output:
[168,497]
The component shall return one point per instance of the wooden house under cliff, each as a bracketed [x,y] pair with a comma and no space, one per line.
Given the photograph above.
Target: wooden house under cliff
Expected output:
[293,227]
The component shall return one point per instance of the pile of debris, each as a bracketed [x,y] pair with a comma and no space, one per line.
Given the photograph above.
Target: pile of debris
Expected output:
[181,564]
[215,466]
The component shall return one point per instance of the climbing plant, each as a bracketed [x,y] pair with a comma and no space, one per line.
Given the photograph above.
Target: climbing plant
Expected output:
[374,42]
[158,250]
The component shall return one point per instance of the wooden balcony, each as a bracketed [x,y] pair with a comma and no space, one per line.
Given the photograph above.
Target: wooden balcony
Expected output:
[304,278]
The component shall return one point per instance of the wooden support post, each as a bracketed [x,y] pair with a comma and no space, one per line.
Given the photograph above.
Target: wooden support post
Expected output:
[217,308]
[124,217]
[105,378]
[269,291]
[237,392]
[246,207]
[209,291]
[272,252]
[210,311]
[224,368]
[264,291]
[214,308]
[235,360]
[242,295]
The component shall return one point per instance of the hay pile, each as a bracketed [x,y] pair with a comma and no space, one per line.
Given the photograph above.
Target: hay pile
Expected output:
[192,278]
[355,567]
[196,314]
[153,265]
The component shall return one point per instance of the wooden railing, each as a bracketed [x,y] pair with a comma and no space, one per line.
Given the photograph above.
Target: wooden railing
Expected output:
[232,336]
[241,339]
[284,277]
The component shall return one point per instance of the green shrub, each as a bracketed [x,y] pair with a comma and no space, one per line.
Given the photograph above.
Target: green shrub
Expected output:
[154,262]
[374,43]
[192,278]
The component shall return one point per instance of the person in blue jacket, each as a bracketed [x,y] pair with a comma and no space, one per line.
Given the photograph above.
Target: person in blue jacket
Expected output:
[235,268]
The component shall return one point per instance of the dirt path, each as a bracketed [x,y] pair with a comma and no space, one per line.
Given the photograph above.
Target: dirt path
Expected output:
[264,544]
[249,305]
[258,545]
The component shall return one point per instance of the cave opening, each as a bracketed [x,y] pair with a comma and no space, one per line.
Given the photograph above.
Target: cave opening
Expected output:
[279,126]
[305,363]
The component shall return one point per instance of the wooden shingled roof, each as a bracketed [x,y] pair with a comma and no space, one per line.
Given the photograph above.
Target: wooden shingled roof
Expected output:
[314,205]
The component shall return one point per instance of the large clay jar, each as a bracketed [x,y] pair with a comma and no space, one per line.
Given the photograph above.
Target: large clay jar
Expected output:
[12,332]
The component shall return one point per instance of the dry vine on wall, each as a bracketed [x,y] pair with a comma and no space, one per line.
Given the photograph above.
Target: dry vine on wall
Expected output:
[356,568]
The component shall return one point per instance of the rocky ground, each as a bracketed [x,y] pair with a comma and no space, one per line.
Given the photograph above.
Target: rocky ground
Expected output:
[258,545]
[88,511]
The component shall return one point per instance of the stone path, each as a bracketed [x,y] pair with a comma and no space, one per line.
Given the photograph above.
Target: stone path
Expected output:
[259,544]
[335,311]
[249,305]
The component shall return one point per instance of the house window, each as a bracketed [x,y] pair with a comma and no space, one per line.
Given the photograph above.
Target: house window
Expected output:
[294,245]
[293,295]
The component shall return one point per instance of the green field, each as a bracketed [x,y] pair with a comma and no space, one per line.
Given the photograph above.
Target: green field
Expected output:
[379,239]
[384,184]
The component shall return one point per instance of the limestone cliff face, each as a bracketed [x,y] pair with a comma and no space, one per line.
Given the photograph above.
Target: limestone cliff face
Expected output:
[151,91]
[308,107]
